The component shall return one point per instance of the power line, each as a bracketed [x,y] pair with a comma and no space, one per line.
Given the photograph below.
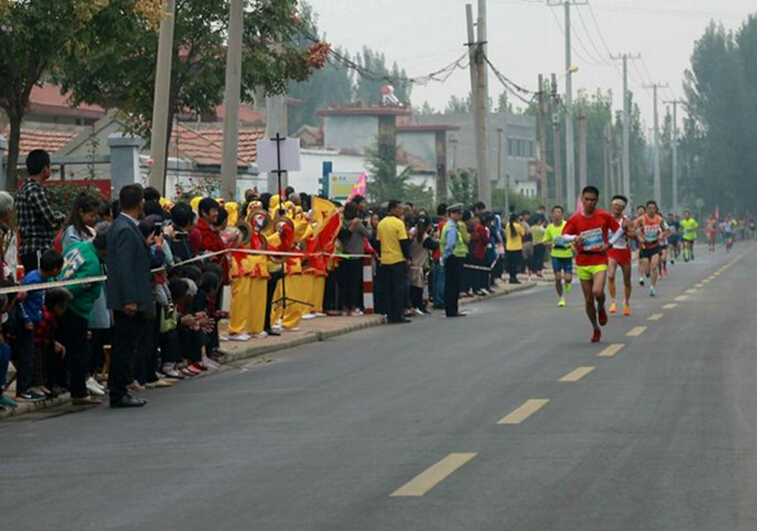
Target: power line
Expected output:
[591,41]
[512,87]
[557,21]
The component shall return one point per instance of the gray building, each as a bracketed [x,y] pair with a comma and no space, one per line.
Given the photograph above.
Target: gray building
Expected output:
[511,137]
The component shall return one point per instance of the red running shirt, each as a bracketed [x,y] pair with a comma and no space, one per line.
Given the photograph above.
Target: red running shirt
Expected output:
[596,231]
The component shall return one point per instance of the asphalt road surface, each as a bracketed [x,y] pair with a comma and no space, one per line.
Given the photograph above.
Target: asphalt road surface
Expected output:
[508,419]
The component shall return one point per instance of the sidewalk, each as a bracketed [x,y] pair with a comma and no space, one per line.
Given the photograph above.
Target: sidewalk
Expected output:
[311,331]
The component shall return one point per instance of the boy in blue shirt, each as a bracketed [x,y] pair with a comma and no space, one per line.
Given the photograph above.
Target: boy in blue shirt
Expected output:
[29,315]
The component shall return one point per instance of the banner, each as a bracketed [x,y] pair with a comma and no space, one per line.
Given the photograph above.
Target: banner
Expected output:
[341,185]
[360,188]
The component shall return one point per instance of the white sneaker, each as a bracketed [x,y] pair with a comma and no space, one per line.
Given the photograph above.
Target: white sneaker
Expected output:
[94,387]
[210,364]
[356,313]
[239,337]
[295,329]
[309,316]
[261,335]
[417,311]
[170,370]
[320,314]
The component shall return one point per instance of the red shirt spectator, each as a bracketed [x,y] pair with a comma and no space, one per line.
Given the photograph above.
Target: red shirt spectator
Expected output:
[480,238]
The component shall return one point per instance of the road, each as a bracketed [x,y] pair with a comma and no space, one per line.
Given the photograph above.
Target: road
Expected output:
[396,428]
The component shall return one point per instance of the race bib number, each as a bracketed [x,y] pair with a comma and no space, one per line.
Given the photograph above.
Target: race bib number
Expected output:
[593,239]
[650,233]
[688,230]
[560,242]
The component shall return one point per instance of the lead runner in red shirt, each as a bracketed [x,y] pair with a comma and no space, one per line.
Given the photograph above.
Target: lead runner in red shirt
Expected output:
[593,231]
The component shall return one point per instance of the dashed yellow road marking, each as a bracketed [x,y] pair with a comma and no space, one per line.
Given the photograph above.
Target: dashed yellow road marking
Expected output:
[576,375]
[700,285]
[655,317]
[636,331]
[691,291]
[670,306]
[610,351]
[682,298]
[431,477]
[528,408]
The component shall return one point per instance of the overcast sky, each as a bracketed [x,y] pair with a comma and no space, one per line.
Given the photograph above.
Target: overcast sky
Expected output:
[525,38]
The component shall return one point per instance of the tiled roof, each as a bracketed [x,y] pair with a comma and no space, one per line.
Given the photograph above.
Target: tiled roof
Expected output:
[366,111]
[51,140]
[47,99]
[205,145]
[416,163]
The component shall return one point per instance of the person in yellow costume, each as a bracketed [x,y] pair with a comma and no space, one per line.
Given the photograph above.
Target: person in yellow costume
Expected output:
[319,247]
[250,274]
[296,287]
[195,203]
[232,209]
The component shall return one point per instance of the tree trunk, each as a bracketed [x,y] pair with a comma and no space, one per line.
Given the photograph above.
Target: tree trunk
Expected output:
[11,183]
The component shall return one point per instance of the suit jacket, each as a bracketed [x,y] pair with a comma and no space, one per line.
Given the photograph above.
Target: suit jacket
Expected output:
[128,263]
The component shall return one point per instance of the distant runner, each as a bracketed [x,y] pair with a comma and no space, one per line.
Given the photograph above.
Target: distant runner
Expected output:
[650,229]
[620,255]
[562,254]
[690,227]
[711,227]
[591,230]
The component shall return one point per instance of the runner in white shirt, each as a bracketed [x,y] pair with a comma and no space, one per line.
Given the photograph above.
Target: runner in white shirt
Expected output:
[620,255]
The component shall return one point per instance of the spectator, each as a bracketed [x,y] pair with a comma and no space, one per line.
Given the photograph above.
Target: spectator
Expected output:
[350,270]
[183,223]
[480,238]
[29,315]
[81,222]
[50,360]
[420,246]
[537,236]
[395,255]
[437,269]
[128,287]
[455,248]
[38,223]
[514,232]
[7,238]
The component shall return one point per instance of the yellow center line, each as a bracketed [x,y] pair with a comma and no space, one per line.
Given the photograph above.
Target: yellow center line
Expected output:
[681,298]
[670,306]
[576,375]
[691,291]
[528,408]
[636,331]
[431,477]
[700,285]
[611,350]
[655,317]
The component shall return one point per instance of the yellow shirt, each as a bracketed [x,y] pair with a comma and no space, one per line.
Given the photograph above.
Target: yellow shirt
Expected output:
[390,232]
[514,243]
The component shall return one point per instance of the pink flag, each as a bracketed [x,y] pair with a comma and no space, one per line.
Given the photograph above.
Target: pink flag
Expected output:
[360,188]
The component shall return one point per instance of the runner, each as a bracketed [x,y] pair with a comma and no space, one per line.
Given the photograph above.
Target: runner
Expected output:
[662,265]
[562,254]
[651,228]
[640,211]
[591,231]
[711,226]
[728,233]
[690,227]
[674,239]
[620,255]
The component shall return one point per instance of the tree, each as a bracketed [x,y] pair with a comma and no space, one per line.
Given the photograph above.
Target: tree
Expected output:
[34,37]
[368,88]
[503,103]
[426,109]
[463,186]
[382,166]
[118,69]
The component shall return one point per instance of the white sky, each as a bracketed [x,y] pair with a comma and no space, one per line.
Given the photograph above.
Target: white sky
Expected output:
[524,40]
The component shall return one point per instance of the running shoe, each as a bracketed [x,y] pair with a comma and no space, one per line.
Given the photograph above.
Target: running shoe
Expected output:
[596,336]
[94,387]
[29,396]
[652,291]
[665,271]
[626,309]
[613,307]
[308,316]
[239,337]
[261,335]
[197,366]
[641,281]
[320,314]
[602,316]
[568,287]
[7,401]
[561,303]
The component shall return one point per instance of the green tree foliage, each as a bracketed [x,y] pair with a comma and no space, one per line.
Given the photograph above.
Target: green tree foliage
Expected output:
[368,90]
[117,68]
[34,37]
[382,166]
[463,186]
[718,149]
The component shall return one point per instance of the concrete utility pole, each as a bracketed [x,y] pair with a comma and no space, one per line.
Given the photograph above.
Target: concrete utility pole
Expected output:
[542,141]
[626,123]
[570,165]
[160,126]
[607,192]
[675,152]
[557,141]
[656,134]
[480,92]
[500,165]
[618,161]
[582,162]
[231,100]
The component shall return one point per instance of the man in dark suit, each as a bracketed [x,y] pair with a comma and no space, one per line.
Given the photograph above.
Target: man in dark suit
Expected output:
[128,286]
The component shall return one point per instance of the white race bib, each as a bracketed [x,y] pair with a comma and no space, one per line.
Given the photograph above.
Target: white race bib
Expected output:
[592,239]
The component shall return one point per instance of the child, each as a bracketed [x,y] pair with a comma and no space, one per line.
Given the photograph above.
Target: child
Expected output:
[169,333]
[30,314]
[50,360]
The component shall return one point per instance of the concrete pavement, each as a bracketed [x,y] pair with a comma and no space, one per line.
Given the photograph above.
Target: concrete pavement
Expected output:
[659,434]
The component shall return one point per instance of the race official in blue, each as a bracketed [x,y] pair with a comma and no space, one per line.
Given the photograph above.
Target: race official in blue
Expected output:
[454,251]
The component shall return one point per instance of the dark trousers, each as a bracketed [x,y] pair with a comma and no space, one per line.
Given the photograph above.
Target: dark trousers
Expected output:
[24,359]
[394,280]
[453,276]
[416,298]
[437,273]
[30,261]
[537,261]
[146,362]
[513,260]
[128,340]
[170,346]
[270,292]
[73,336]
[350,276]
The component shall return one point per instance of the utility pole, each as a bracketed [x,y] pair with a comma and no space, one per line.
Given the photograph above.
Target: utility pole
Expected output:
[582,169]
[626,190]
[607,192]
[480,92]
[618,161]
[656,134]
[160,125]
[542,142]
[557,141]
[500,135]
[232,94]
[569,149]
[675,152]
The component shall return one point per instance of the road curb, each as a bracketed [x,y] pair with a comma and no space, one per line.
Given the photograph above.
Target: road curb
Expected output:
[30,407]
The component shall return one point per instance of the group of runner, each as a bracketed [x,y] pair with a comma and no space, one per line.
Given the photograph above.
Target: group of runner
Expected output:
[605,242]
